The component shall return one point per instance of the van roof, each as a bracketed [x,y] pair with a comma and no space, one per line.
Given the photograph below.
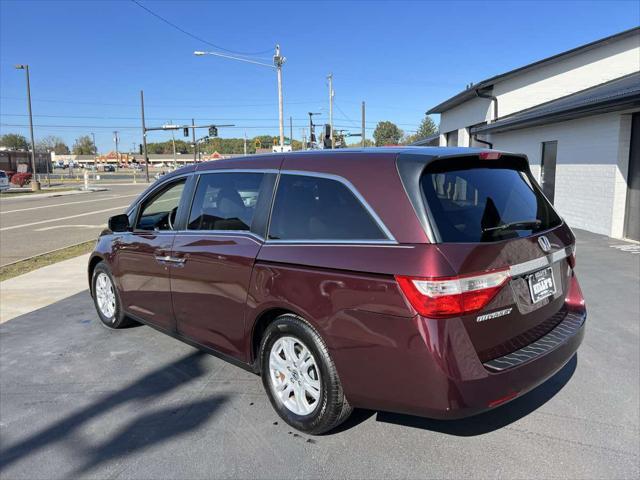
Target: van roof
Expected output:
[318,155]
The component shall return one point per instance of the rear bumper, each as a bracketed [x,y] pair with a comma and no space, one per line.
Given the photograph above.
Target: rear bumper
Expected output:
[429,368]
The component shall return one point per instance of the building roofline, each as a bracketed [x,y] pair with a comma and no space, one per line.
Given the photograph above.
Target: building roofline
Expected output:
[484,84]
[591,101]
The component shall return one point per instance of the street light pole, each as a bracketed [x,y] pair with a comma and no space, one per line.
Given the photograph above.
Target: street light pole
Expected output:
[278,60]
[35,185]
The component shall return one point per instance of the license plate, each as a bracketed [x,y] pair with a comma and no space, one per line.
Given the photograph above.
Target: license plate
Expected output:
[541,284]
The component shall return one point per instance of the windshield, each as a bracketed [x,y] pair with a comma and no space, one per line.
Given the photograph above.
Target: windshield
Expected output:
[485,204]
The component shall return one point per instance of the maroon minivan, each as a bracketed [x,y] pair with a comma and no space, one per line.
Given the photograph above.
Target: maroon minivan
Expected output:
[431,281]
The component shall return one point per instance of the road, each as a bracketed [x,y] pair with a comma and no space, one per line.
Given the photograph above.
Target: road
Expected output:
[33,225]
[80,401]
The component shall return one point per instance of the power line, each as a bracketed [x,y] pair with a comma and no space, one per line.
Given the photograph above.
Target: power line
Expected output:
[166,105]
[132,127]
[200,39]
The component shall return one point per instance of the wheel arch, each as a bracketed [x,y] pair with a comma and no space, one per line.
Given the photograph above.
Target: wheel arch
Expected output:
[93,261]
[262,321]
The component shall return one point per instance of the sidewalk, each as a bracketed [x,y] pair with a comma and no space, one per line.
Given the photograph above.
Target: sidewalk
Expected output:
[42,287]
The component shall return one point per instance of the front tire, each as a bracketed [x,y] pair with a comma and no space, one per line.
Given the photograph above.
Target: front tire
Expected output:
[106,298]
[300,378]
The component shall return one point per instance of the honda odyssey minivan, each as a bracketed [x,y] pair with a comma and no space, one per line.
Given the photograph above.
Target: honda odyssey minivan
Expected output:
[430,281]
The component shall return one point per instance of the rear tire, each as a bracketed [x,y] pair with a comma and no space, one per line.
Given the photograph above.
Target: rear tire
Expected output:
[300,378]
[106,298]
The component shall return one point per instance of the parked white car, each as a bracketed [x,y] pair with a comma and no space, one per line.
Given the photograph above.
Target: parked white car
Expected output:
[4,181]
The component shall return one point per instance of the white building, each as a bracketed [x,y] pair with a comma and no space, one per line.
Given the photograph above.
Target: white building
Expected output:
[576,115]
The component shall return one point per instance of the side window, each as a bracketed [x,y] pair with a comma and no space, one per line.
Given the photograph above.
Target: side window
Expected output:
[225,201]
[159,213]
[315,208]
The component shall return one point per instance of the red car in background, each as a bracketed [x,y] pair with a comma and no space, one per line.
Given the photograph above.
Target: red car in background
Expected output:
[432,281]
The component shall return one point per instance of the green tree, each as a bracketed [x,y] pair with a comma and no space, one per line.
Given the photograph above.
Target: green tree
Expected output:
[14,141]
[387,133]
[367,143]
[427,128]
[84,146]
[52,144]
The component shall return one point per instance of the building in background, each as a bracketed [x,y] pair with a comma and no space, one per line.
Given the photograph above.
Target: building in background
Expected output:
[576,115]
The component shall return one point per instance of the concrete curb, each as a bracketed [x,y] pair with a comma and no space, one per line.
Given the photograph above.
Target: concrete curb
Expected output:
[54,193]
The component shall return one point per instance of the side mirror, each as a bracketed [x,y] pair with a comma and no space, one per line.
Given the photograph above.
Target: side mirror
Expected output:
[119,223]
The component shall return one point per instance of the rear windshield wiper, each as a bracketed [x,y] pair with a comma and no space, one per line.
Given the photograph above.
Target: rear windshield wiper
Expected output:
[520,225]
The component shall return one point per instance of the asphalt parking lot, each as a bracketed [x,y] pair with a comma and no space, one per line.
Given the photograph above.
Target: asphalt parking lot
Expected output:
[78,400]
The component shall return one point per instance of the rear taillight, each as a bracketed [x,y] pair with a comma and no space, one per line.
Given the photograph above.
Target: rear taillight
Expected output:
[489,155]
[444,297]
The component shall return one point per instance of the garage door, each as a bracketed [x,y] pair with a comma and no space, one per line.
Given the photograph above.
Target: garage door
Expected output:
[632,215]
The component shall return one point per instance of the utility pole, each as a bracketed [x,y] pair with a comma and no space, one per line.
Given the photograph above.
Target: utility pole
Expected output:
[245,143]
[364,144]
[330,77]
[291,132]
[115,139]
[195,145]
[93,136]
[35,184]
[144,137]
[278,60]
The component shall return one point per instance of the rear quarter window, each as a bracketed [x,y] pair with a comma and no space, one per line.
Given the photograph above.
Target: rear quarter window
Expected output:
[476,203]
[317,208]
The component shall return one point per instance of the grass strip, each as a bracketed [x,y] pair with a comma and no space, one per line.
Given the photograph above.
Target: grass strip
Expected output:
[33,263]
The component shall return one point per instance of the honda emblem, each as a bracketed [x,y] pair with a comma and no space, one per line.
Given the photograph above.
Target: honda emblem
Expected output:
[544,243]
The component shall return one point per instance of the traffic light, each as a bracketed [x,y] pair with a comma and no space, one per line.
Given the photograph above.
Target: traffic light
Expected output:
[213,131]
[140,148]
[326,141]
[185,132]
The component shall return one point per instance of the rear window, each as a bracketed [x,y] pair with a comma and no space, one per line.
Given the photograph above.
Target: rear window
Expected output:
[2,174]
[477,203]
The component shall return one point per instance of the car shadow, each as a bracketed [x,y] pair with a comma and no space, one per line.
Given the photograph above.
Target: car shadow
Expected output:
[149,428]
[493,419]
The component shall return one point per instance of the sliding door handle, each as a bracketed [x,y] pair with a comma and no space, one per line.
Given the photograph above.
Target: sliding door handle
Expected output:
[170,259]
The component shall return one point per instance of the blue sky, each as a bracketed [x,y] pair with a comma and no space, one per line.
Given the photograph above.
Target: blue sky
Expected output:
[89,59]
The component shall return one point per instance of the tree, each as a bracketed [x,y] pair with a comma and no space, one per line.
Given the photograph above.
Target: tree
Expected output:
[427,128]
[14,141]
[387,133]
[84,146]
[367,143]
[52,144]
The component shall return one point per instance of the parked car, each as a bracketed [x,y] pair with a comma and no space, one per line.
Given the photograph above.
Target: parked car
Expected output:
[109,168]
[431,281]
[4,181]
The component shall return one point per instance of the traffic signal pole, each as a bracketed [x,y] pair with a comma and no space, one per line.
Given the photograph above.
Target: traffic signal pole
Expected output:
[144,138]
